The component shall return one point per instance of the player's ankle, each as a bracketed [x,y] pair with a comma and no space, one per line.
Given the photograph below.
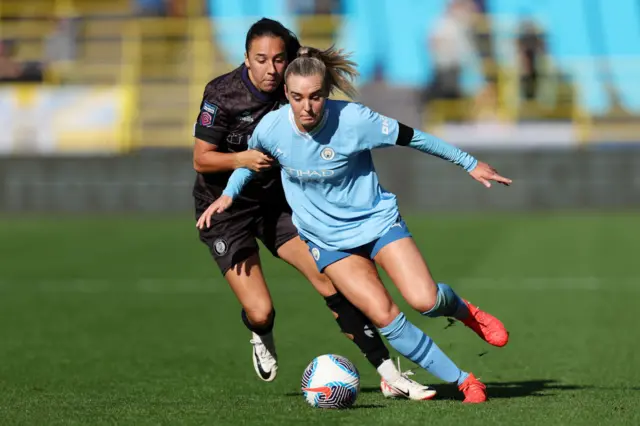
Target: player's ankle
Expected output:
[388,371]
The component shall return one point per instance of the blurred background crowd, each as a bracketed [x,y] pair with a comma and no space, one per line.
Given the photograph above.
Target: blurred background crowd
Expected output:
[512,73]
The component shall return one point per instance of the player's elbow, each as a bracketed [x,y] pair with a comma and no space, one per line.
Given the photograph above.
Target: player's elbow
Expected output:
[197,165]
[200,163]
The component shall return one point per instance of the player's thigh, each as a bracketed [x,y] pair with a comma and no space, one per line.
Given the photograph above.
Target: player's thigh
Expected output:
[234,248]
[274,226]
[230,238]
[247,281]
[278,233]
[296,253]
[406,267]
[356,277]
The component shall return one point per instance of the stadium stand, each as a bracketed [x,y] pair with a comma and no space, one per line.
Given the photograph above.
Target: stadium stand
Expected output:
[576,70]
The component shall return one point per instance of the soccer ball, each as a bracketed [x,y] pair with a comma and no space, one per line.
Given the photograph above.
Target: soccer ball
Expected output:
[331,381]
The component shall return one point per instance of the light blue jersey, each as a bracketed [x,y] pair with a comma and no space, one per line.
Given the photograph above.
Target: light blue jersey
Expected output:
[328,174]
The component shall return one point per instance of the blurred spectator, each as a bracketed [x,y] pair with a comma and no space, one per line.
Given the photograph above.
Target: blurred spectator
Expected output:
[61,44]
[310,7]
[12,70]
[531,49]
[327,7]
[481,6]
[151,7]
[177,8]
[9,69]
[302,7]
[452,44]
[158,8]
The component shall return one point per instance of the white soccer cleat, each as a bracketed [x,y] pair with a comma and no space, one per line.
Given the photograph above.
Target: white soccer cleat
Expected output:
[265,359]
[404,387]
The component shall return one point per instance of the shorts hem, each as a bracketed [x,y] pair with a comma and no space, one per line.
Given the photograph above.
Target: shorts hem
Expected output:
[377,249]
[246,253]
[276,247]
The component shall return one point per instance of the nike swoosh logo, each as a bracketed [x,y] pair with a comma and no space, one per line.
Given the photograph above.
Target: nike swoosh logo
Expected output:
[405,393]
[326,390]
[265,375]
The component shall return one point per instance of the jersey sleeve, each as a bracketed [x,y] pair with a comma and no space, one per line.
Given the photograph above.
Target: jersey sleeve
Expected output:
[374,130]
[377,131]
[435,146]
[237,181]
[212,124]
[262,136]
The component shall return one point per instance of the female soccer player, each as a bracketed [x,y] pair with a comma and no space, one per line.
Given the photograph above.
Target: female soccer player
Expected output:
[348,220]
[233,105]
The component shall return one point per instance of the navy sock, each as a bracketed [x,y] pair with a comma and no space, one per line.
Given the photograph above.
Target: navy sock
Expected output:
[260,331]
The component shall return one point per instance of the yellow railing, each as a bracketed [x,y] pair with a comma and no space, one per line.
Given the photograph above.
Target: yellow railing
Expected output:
[130,78]
[130,39]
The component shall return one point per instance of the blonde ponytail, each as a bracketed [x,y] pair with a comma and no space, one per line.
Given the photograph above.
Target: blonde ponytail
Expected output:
[337,71]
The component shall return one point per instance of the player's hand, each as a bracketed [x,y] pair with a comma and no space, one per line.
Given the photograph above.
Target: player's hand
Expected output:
[484,173]
[218,206]
[254,160]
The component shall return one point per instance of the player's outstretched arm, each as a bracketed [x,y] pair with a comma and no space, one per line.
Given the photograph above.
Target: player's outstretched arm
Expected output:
[378,131]
[482,172]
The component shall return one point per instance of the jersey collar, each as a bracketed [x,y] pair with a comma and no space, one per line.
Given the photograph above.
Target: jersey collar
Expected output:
[315,131]
[264,97]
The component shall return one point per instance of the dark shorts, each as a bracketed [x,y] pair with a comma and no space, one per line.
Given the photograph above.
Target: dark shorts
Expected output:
[325,258]
[232,235]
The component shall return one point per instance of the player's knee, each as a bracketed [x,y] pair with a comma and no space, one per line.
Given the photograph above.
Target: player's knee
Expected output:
[425,300]
[322,284]
[384,315]
[260,316]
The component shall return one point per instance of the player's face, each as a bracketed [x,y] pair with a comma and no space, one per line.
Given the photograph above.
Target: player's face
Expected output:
[306,96]
[266,61]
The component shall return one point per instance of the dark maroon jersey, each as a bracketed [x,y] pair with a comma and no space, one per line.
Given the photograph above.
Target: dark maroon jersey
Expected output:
[231,109]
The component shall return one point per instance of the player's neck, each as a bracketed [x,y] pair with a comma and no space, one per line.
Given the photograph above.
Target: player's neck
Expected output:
[254,88]
[309,129]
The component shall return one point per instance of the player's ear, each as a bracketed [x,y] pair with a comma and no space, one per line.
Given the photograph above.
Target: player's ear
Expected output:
[286,92]
[246,60]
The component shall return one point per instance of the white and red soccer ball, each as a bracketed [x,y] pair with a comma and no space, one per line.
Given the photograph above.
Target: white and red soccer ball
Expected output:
[331,381]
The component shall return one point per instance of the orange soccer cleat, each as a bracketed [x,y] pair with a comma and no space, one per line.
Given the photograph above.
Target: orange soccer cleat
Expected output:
[488,327]
[474,390]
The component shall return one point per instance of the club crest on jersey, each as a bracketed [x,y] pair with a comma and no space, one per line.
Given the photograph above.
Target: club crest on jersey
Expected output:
[207,114]
[315,253]
[205,119]
[220,246]
[327,154]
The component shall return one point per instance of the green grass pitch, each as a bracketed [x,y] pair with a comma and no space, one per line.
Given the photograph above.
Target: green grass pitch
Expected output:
[125,320]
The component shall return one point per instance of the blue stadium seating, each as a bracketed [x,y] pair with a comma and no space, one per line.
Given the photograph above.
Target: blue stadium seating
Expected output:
[621,45]
[571,42]
[234,18]
[392,36]
[592,41]
[363,33]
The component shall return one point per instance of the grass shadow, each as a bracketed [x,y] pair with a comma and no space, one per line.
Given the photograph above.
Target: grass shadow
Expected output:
[515,389]
[497,390]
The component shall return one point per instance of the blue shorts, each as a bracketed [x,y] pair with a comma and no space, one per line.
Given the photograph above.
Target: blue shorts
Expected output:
[325,258]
